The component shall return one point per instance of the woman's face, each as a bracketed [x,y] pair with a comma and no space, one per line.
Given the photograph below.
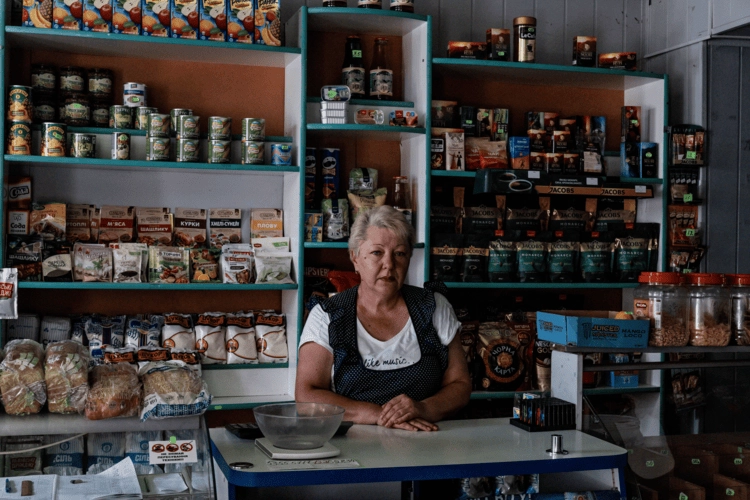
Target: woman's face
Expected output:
[383,261]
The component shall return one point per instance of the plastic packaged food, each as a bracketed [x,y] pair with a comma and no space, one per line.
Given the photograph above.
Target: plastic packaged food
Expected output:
[335,93]
[66,371]
[369,116]
[210,338]
[115,392]
[172,389]
[740,296]
[708,316]
[241,345]
[270,329]
[22,378]
[661,299]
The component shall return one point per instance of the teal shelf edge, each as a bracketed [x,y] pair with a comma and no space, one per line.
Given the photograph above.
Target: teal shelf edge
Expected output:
[371,102]
[136,132]
[353,127]
[606,391]
[20,30]
[246,366]
[76,285]
[444,61]
[100,162]
[498,394]
[532,286]
[639,180]
[339,244]
[452,173]
[353,11]
[242,406]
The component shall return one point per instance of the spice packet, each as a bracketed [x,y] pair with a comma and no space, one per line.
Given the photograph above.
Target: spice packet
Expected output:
[241,345]
[225,226]
[273,268]
[190,227]
[48,221]
[270,245]
[78,223]
[155,229]
[25,255]
[127,265]
[266,223]
[92,262]
[8,293]
[178,331]
[204,265]
[57,264]
[270,329]
[210,338]
[168,264]
[238,264]
[135,247]
[116,224]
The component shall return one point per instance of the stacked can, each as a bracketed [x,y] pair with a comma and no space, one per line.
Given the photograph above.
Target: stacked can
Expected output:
[19,115]
[187,133]
[157,137]
[44,88]
[74,103]
[253,141]
[219,139]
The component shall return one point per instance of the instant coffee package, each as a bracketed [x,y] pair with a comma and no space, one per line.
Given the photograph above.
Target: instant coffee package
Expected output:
[520,216]
[504,348]
[614,211]
[573,214]
[597,256]
[563,256]
[503,257]
[447,217]
[446,257]
[532,254]
[484,219]
[636,250]
[474,257]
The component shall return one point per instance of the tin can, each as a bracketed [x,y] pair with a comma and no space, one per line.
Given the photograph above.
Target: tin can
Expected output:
[141,116]
[19,139]
[53,139]
[82,145]
[281,154]
[120,146]
[219,150]
[157,148]
[188,127]
[43,78]
[157,125]
[173,117]
[100,83]
[135,94]
[77,110]
[20,108]
[253,153]
[100,113]
[219,128]
[120,117]
[253,129]
[72,79]
[45,109]
[187,150]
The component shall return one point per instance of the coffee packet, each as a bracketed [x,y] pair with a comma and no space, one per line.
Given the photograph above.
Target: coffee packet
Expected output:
[636,245]
[572,216]
[446,217]
[611,211]
[525,219]
[503,348]
[532,257]
[474,258]
[484,219]
[597,256]
[503,257]
[446,257]
[563,256]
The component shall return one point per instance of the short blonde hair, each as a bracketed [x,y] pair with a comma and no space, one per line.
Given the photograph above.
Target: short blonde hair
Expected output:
[385,217]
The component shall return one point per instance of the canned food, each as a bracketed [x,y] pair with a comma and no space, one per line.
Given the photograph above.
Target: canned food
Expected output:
[157,148]
[253,153]
[19,139]
[19,104]
[53,139]
[71,79]
[100,114]
[173,116]
[218,150]
[219,128]
[120,146]
[61,110]
[188,127]
[187,150]
[157,125]
[77,110]
[120,117]
[253,129]
[82,145]
[45,110]
[43,78]
[100,83]
[141,116]
[281,154]
[135,94]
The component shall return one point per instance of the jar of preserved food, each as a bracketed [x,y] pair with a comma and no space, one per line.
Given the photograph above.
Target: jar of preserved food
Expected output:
[43,78]
[524,39]
[740,296]
[662,300]
[77,110]
[402,5]
[708,313]
[100,83]
[72,80]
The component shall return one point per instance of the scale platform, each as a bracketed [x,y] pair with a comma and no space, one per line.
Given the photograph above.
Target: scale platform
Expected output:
[325,451]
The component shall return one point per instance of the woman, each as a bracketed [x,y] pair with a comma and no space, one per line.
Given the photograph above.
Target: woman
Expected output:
[388,353]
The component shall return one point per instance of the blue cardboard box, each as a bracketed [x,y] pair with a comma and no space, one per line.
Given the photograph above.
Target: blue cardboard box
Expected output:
[622,378]
[591,329]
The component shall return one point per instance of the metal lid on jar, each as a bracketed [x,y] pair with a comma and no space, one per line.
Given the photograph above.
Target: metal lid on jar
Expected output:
[738,279]
[660,278]
[524,20]
[705,279]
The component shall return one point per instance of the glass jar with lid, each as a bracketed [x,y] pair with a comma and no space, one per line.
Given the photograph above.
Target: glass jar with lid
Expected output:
[662,300]
[708,313]
[739,292]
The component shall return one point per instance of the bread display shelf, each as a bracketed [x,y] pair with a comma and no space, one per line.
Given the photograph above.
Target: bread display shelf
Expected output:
[48,423]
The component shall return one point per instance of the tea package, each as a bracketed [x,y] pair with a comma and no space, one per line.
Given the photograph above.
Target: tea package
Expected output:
[474,257]
[597,256]
[563,256]
[503,257]
[446,257]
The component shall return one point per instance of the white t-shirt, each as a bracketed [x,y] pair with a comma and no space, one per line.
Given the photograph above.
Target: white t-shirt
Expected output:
[400,351]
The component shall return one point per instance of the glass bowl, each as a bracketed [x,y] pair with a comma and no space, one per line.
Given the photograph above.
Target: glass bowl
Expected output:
[298,426]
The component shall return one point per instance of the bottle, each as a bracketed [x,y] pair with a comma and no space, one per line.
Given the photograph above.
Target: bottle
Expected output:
[402,198]
[353,69]
[381,78]
[334,3]
[370,4]
[402,5]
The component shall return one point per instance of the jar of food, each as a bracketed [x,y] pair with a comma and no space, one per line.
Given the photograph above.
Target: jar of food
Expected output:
[45,109]
[662,300]
[77,110]
[100,83]
[100,113]
[739,292]
[43,78]
[524,39]
[708,312]
[72,79]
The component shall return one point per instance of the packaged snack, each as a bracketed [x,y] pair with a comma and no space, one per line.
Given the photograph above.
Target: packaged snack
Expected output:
[314,227]
[363,179]
[190,227]
[25,255]
[66,372]
[241,346]
[204,265]
[172,389]
[137,448]
[335,219]
[115,391]
[225,226]
[26,326]
[365,200]
[66,458]
[48,221]
[57,262]
[178,331]
[24,463]
[270,329]
[274,268]
[266,223]
[127,265]
[92,263]
[103,331]
[210,338]
[238,263]
[104,451]
[168,264]
[8,293]
[22,383]
[54,329]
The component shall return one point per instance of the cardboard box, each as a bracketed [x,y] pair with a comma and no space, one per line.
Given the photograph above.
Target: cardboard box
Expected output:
[268,22]
[591,329]
[680,489]
[156,18]
[519,153]
[67,17]
[127,17]
[696,464]
[584,51]
[437,153]
[648,153]
[185,19]
[726,488]
[444,113]
[482,153]
[630,118]
[733,461]
[618,60]
[213,20]
[241,21]
[18,221]
[498,44]
[97,15]
[467,50]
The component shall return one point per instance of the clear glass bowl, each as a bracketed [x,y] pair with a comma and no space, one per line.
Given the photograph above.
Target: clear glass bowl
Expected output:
[298,426]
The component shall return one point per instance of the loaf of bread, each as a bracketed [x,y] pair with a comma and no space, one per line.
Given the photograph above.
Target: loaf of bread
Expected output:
[22,377]
[172,389]
[114,391]
[66,371]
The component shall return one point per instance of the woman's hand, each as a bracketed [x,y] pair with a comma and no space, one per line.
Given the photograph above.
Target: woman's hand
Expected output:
[417,424]
[403,409]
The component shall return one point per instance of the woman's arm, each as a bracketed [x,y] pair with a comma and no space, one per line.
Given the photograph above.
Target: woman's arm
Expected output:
[313,385]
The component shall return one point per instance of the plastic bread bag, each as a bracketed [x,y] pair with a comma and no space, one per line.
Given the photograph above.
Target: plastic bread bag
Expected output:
[190,357]
[178,331]
[8,293]
[114,355]
[136,447]
[54,329]
[104,451]
[172,389]
[23,463]
[66,458]
[66,371]
[144,330]
[114,391]
[210,338]
[78,330]
[270,330]
[274,268]
[241,346]
[22,378]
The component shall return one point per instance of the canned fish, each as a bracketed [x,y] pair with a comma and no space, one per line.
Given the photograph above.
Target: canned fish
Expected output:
[253,129]
[218,151]
[120,146]
[157,125]
[43,78]
[141,116]
[100,83]
[173,116]
[71,80]
[77,110]
[219,128]
[82,145]
[45,110]
[100,114]
[188,127]
[19,104]
[53,139]
[157,148]
[253,153]
[135,94]
[19,139]
[187,150]
[281,154]
[120,117]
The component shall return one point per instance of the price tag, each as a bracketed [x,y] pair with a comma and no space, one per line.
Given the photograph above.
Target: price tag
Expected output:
[592,181]
[730,492]
[695,461]
[739,449]
[172,452]
[691,155]
[534,174]
[690,232]
[683,496]
[649,463]
[640,189]
[687,198]
[737,461]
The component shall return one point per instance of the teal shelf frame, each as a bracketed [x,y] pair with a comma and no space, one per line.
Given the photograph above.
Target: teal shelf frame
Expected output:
[535,286]
[142,133]
[97,285]
[370,102]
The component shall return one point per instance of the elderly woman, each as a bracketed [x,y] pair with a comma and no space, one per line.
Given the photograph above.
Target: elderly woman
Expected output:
[388,353]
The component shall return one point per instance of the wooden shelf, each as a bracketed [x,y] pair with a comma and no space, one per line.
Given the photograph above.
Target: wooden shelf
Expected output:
[372,132]
[532,286]
[77,285]
[363,21]
[50,423]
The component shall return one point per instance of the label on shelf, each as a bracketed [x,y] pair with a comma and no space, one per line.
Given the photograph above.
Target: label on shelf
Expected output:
[533,174]
[687,198]
[172,452]
[592,181]
[640,189]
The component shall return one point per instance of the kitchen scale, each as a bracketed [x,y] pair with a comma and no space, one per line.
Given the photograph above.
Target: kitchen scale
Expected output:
[271,451]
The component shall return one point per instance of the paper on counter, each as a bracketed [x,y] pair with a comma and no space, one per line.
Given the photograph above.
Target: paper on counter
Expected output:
[331,463]
[166,483]
[120,479]
[43,489]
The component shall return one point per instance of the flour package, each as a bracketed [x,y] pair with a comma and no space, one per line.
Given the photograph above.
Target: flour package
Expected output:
[54,329]
[210,338]
[270,331]
[136,447]
[64,459]
[104,451]
[178,331]
[241,346]
[26,326]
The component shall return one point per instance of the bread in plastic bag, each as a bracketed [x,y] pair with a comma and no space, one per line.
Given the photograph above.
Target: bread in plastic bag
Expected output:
[114,391]
[66,369]
[22,377]
[172,389]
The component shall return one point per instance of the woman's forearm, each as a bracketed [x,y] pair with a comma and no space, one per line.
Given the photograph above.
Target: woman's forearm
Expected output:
[450,399]
[358,412]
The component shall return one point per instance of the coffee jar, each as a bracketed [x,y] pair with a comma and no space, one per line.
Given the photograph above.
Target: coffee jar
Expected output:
[524,39]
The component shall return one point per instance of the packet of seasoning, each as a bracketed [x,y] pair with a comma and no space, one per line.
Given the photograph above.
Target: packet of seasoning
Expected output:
[48,220]
[116,224]
[573,217]
[26,326]
[533,249]
[611,211]
[127,265]
[168,264]
[144,330]
[135,247]
[25,255]
[563,256]
[335,219]
[225,226]
[474,258]
[238,263]
[57,264]
[503,261]
[78,223]
[270,330]
[446,257]
[270,245]
[178,331]
[274,268]
[597,255]
[190,227]
[54,329]
[204,265]
[266,223]
[364,200]
[363,179]
[190,357]
[241,345]
[8,293]
[634,247]
[155,229]
[92,262]
[210,338]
